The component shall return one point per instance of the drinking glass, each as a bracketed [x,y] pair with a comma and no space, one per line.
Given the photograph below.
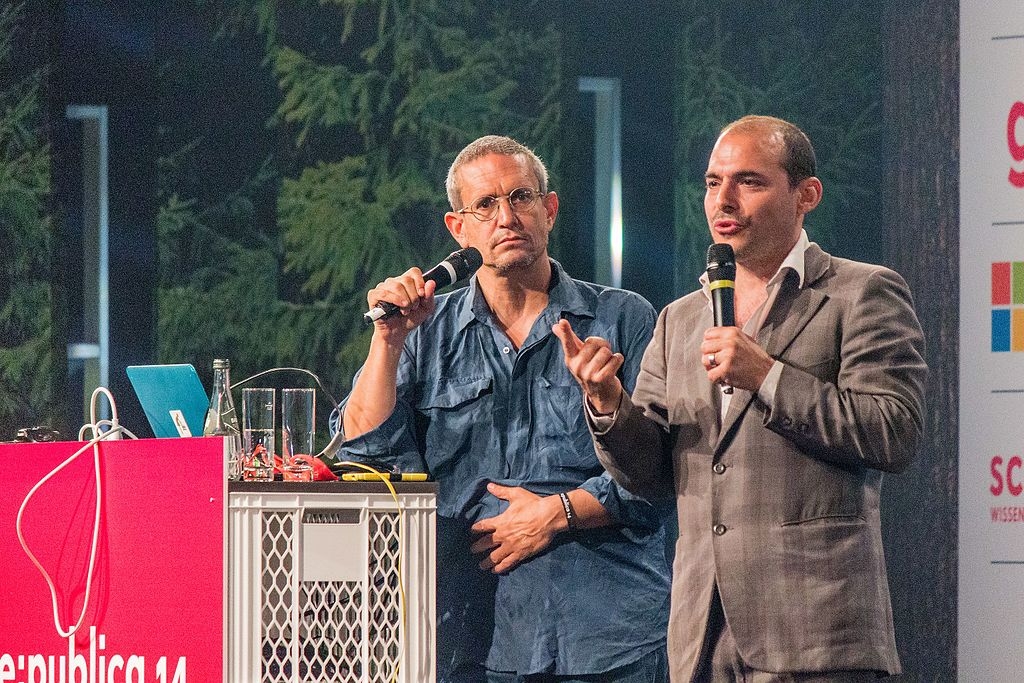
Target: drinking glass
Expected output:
[258,434]
[298,432]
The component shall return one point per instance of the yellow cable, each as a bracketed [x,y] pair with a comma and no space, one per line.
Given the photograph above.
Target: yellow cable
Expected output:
[401,556]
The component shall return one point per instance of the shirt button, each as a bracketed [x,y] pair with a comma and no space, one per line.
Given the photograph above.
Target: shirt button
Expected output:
[506,350]
[719,468]
[718,529]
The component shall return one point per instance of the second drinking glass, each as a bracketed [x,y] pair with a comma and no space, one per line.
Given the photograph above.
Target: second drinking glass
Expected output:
[298,432]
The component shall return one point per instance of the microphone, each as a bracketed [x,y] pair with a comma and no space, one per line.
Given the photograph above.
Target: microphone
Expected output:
[721,281]
[458,266]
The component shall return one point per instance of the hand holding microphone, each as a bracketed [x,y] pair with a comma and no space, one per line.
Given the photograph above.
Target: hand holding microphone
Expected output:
[731,357]
[458,266]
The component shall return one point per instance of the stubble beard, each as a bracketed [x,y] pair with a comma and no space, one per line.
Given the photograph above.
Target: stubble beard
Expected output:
[521,262]
[518,264]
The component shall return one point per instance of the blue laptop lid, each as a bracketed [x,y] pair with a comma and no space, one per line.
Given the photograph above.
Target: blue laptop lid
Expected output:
[172,396]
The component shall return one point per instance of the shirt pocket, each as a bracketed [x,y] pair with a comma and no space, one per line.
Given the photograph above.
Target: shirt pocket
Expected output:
[454,415]
[452,394]
[561,429]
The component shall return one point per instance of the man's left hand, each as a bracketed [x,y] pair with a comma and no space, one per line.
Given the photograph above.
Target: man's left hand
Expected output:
[526,528]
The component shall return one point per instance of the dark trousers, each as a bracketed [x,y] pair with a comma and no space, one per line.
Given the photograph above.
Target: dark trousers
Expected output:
[651,668]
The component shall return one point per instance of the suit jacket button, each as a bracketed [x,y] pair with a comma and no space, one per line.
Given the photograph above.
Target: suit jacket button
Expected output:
[718,529]
[786,422]
[718,468]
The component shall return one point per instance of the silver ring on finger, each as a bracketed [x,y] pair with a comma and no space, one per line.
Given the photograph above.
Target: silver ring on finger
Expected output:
[711,360]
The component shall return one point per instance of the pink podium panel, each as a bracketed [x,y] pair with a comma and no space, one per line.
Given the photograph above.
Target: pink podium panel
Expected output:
[154,610]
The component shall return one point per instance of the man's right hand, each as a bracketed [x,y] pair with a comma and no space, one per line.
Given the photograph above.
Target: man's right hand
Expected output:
[374,394]
[594,366]
[411,294]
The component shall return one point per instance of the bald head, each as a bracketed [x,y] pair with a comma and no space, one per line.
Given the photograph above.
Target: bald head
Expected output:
[795,152]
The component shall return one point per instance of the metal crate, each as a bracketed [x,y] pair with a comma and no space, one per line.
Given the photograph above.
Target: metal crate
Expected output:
[314,583]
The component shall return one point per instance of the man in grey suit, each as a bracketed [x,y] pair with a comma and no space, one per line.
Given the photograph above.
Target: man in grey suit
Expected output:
[779,572]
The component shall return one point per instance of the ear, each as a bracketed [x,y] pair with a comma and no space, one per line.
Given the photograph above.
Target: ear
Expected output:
[456,225]
[810,191]
[551,208]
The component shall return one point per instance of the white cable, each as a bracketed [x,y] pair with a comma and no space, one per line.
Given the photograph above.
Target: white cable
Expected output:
[113,431]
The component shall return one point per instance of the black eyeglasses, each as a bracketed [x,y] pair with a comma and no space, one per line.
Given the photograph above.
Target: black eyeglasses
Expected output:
[520,199]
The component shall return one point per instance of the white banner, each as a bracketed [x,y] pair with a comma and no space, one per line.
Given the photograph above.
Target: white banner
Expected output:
[991,500]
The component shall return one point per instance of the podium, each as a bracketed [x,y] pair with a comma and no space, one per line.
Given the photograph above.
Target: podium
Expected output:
[195,579]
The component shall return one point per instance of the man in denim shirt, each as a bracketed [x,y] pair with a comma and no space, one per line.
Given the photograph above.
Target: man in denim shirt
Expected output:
[547,569]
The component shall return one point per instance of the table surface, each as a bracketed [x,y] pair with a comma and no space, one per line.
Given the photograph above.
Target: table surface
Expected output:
[330,486]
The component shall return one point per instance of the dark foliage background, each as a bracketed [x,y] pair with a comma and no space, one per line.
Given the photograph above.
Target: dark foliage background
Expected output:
[27,358]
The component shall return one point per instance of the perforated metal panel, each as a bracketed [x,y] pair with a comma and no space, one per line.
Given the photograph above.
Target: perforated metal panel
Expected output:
[325,584]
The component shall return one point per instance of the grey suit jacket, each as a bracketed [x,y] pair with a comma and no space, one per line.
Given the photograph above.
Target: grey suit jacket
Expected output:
[779,504]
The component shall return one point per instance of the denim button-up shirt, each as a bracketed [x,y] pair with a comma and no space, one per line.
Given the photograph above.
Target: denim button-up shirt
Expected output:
[472,409]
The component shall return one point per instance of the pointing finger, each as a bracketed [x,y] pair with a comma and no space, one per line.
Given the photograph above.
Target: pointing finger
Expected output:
[571,344]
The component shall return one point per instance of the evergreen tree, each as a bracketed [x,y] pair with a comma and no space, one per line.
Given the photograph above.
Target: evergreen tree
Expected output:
[26,330]
[373,100]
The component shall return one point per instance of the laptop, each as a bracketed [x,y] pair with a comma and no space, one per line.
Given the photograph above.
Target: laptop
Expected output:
[172,397]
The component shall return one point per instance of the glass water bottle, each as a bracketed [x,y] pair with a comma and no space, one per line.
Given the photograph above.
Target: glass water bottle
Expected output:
[221,419]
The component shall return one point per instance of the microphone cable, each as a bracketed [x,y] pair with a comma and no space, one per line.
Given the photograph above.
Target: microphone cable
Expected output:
[402,609]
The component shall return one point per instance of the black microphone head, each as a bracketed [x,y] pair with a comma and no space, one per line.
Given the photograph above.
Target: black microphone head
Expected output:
[721,262]
[466,262]
[458,266]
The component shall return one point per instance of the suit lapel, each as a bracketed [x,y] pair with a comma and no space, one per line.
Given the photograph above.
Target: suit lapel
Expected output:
[790,315]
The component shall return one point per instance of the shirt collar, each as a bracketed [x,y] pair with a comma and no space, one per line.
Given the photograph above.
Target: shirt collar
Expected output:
[564,296]
[794,261]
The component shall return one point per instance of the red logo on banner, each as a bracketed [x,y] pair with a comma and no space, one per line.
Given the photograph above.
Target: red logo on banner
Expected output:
[1016,148]
[1006,475]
